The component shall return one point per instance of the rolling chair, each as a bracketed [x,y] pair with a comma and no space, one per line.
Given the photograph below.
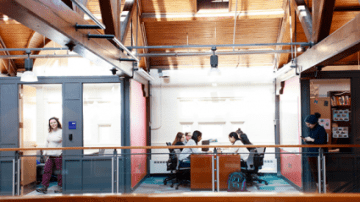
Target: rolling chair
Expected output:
[182,172]
[171,165]
[254,164]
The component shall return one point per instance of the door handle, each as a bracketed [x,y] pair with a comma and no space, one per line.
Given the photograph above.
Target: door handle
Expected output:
[70,137]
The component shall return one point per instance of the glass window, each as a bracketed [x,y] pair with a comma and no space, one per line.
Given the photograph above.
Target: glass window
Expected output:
[101,116]
[37,104]
[213,131]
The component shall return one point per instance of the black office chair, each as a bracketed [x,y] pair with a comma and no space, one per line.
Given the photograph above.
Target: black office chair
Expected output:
[182,172]
[253,164]
[171,164]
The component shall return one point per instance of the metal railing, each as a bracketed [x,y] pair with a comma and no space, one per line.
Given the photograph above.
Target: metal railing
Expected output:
[116,158]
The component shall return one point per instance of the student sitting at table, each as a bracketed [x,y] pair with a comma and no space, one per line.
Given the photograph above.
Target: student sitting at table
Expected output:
[185,154]
[244,153]
[244,139]
[179,139]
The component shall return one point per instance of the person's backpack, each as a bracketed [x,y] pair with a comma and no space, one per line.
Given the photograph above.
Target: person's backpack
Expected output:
[237,182]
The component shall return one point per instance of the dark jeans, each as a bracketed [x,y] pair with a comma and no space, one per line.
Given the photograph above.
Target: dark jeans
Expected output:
[48,169]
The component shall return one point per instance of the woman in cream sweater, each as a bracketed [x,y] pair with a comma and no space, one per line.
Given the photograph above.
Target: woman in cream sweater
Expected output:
[54,139]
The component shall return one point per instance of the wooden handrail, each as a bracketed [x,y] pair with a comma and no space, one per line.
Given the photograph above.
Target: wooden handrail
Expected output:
[179,147]
[191,197]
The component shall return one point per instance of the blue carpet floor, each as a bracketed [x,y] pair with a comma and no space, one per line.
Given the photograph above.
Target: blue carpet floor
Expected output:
[155,184]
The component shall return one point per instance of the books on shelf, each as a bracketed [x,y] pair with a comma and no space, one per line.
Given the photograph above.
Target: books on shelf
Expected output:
[343,100]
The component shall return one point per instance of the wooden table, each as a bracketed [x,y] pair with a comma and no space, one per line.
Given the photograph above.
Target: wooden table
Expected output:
[201,170]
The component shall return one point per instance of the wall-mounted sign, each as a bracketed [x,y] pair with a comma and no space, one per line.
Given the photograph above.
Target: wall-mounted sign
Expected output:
[72,125]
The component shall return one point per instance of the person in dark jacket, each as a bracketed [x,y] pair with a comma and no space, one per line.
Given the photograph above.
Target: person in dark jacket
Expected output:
[317,135]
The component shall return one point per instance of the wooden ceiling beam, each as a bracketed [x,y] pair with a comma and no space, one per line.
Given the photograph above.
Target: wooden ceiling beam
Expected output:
[56,21]
[8,64]
[71,5]
[304,16]
[322,13]
[68,3]
[126,16]
[37,41]
[110,16]
[283,33]
[340,44]
[154,17]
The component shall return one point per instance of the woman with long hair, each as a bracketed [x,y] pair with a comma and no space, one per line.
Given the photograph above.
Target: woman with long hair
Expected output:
[54,139]
[185,154]
[244,153]
[179,139]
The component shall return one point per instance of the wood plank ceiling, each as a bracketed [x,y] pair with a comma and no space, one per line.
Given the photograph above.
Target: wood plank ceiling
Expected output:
[196,22]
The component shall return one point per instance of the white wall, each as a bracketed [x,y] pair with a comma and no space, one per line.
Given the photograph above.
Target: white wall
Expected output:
[320,87]
[190,106]
[102,113]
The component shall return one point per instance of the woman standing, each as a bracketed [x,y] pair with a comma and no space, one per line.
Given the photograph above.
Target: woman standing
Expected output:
[317,136]
[54,139]
[179,139]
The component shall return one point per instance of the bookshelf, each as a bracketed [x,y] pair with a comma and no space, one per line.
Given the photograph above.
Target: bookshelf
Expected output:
[340,102]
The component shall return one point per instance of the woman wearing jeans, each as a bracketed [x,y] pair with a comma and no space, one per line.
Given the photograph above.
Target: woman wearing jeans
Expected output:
[54,139]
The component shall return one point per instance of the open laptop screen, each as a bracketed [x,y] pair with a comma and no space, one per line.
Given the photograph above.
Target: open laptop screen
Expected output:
[205,142]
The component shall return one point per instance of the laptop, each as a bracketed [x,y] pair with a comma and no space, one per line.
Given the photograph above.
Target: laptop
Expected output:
[205,142]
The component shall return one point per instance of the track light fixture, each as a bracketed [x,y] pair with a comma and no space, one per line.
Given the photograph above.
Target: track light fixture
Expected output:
[214,58]
[295,66]
[28,75]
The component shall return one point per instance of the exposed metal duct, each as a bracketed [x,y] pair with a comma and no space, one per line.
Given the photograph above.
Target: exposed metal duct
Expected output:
[32,49]
[220,45]
[38,56]
[173,54]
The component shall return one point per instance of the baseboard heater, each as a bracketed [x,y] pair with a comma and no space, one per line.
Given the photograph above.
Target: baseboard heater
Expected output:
[159,166]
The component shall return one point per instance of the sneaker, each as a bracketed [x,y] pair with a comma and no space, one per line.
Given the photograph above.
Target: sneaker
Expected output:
[42,189]
[58,190]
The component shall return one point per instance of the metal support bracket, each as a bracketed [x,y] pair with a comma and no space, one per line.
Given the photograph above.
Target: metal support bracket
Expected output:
[77,26]
[100,36]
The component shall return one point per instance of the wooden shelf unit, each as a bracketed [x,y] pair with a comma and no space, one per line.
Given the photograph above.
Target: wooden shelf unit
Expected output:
[341,110]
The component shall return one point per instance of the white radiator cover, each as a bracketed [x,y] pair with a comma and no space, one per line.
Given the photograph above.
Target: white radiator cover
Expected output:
[159,167]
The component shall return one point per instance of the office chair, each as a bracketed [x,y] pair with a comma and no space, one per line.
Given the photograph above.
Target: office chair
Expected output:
[254,164]
[171,164]
[182,172]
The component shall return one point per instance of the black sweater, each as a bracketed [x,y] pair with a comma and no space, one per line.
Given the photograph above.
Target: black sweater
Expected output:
[319,134]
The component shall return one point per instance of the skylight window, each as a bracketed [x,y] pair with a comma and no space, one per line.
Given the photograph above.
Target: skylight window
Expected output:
[212,5]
